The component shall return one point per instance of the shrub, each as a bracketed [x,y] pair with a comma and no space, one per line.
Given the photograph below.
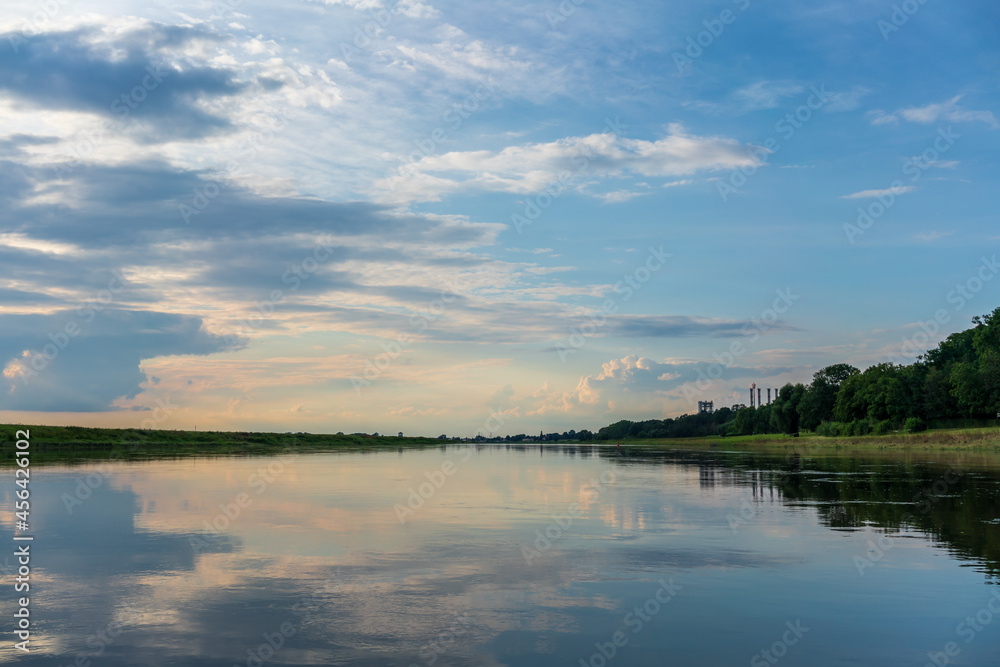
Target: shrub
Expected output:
[914,425]
[884,427]
[860,427]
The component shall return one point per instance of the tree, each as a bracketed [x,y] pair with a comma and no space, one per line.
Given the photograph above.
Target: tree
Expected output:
[785,409]
[744,422]
[821,396]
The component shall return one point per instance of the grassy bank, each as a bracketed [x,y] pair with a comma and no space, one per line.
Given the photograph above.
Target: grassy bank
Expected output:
[969,439]
[53,444]
[68,443]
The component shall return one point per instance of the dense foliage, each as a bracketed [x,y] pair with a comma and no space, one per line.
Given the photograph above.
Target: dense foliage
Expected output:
[956,383]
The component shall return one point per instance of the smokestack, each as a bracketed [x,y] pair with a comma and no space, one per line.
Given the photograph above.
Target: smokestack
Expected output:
[769,396]
[758,396]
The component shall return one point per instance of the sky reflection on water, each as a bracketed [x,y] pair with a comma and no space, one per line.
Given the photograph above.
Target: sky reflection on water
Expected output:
[521,557]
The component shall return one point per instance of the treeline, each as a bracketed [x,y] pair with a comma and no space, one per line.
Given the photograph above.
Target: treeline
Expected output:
[685,426]
[958,381]
[565,436]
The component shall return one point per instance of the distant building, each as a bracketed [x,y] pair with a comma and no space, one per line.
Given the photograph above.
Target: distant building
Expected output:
[706,406]
[400,434]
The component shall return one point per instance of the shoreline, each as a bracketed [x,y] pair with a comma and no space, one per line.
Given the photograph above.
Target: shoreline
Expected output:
[986,439]
[65,444]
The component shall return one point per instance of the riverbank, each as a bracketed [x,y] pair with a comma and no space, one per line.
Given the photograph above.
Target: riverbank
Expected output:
[971,439]
[51,444]
[54,444]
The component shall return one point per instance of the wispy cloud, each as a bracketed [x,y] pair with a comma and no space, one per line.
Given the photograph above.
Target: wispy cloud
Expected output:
[932,236]
[766,94]
[869,194]
[949,110]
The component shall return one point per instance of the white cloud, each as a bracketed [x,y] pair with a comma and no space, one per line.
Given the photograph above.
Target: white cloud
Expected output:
[636,386]
[880,117]
[869,194]
[932,236]
[461,57]
[619,196]
[766,94]
[529,168]
[949,111]
[846,101]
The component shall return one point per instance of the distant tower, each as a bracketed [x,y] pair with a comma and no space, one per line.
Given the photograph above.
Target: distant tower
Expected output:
[769,396]
[706,406]
[758,397]
[752,387]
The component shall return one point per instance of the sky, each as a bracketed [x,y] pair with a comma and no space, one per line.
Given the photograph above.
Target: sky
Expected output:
[456,218]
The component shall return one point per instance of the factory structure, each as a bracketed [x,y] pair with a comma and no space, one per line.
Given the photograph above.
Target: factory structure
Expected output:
[756,400]
[760,401]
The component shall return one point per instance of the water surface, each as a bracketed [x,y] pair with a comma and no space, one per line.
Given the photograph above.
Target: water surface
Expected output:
[522,556]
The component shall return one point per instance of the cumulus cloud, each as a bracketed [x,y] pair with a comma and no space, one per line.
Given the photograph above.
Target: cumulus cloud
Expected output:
[47,369]
[529,168]
[636,385]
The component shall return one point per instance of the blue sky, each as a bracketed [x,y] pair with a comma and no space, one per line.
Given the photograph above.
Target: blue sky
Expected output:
[448,217]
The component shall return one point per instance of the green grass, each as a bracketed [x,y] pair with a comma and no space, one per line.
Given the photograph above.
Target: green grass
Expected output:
[51,444]
[959,439]
[57,444]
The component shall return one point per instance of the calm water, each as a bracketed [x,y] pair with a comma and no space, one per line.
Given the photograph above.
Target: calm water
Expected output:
[517,556]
